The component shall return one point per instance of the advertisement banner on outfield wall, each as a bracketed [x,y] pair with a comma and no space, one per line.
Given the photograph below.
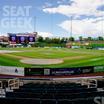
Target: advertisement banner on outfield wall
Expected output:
[58,71]
[12,71]
[34,71]
[72,71]
[99,68]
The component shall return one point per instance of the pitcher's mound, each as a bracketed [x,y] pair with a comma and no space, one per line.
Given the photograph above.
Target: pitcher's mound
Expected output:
[42,61]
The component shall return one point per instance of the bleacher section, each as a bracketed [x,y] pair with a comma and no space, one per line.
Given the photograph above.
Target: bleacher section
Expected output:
[53,93]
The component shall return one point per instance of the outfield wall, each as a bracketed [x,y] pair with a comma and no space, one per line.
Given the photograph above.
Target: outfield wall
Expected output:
[20,71]
[58,71]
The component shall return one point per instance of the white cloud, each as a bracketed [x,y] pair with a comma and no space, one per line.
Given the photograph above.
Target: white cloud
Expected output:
[45,34]
[86,27]
[78,7]
[92,26]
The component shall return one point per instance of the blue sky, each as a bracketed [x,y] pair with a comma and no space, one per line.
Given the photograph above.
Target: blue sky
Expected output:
[52,17]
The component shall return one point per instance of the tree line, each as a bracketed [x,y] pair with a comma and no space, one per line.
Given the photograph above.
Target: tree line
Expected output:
[65,40]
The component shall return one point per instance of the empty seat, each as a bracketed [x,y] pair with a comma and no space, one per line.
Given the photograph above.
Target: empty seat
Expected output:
[65,93]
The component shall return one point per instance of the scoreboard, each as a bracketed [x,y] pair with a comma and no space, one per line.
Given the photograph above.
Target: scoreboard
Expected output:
[22,38]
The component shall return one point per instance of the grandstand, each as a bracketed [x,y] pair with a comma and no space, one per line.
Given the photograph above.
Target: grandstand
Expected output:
[51,91]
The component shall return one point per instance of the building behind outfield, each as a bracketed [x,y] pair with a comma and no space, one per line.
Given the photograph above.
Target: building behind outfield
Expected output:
[4,41]
[22,39]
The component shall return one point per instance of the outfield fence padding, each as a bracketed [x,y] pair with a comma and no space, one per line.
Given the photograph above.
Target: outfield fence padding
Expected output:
[58,71]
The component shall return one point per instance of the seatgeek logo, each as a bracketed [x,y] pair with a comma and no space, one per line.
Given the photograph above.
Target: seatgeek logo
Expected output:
[16,17]
[99,100]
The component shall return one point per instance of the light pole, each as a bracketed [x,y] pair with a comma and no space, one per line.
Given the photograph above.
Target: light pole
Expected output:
[71,27]
[35,20]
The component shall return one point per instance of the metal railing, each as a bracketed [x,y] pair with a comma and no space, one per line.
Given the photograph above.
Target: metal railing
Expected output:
[14,83]
[91,83]
[1,84]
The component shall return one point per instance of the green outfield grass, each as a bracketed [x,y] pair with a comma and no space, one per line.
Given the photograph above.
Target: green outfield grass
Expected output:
[71,57]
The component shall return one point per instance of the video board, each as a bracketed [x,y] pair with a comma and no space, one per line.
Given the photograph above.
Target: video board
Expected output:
[12,38]
[22,38]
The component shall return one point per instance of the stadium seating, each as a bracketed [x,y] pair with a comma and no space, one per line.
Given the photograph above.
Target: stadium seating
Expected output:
[52,93]
[100,84]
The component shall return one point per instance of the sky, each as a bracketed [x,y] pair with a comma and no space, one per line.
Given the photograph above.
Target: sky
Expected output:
[53,18]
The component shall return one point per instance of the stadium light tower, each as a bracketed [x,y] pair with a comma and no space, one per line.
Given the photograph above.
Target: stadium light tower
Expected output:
[71,26]
[103,24]
[35,20]
[102,19]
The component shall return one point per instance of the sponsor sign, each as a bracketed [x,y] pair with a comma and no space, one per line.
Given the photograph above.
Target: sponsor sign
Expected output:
[99,68]
[86,70]
[15,71]
[34,71]
[58,71]
[46,71]
[63,71]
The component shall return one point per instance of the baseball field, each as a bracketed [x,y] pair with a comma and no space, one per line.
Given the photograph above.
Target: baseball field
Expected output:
[50,57]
